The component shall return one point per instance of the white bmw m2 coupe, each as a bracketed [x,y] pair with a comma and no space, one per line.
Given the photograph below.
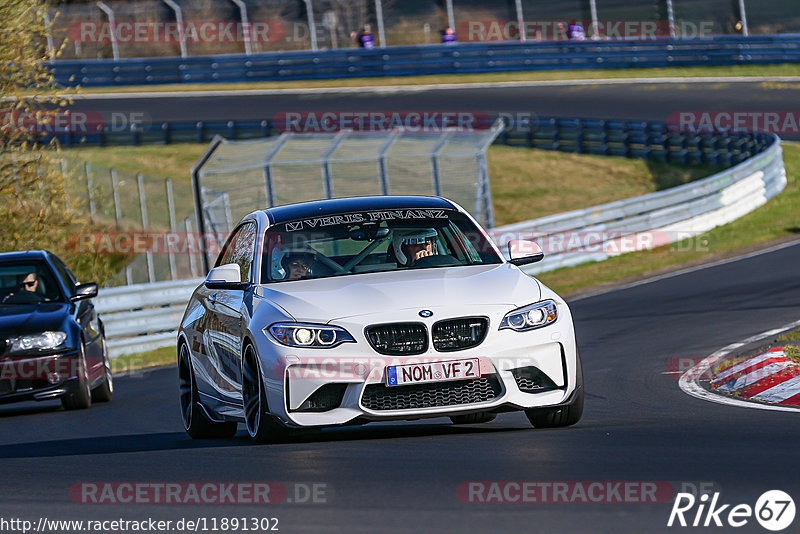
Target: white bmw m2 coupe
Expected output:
[347,311]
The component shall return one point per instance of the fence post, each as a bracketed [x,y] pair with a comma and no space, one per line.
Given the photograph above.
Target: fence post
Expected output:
[312,26]
[595,25]
[451,20]
[179,20]
[671,18]
[520,20]
[743,14]
[89,187]
[187,223]
[114,187]
[379,16]
[66,184]
[151,277]
[247,34]
[168,242]
[112,24]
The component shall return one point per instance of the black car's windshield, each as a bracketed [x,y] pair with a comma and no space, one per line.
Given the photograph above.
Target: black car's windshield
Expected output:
[28,283]
[373,241]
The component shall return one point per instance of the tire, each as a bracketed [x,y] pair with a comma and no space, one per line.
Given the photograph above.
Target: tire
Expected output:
[105,391]
[473,418]
[195,422]
[262,427]
[560,416]
[82,397]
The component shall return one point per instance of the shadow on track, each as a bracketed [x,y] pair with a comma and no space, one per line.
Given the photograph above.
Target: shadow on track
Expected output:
[179,440]
[29,410]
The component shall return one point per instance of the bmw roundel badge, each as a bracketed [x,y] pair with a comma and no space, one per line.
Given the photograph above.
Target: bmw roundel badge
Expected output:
[425,313]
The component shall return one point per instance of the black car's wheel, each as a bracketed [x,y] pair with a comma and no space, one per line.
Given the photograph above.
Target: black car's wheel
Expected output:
[81,398]
[564,415]
[105,391]
[262,426]
[195,422]
[473,418]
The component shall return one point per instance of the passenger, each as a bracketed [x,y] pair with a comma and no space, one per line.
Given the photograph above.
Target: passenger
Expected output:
[449,36]
[366,39]
[297,265]
[575,31]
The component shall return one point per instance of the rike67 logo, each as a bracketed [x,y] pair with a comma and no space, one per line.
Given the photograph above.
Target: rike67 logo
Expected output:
[774,510]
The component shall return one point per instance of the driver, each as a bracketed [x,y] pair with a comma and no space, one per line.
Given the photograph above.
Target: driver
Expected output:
[29,282]
[28,286]
[411,245]
[297,265]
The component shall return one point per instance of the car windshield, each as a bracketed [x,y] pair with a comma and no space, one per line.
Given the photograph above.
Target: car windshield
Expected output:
[373,241]
[27,283]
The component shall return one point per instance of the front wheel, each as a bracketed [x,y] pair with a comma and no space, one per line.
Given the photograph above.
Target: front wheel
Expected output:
[564,415]
[195,422]
[105,391]
[262,426]
[82,397]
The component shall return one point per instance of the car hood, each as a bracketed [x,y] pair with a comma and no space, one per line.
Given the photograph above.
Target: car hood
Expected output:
[327,299]
[19,319]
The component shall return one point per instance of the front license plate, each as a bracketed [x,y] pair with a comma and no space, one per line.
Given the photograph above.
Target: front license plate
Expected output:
[419,373]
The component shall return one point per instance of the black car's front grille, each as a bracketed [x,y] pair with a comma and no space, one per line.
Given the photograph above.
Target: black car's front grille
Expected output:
[398,338]
[6,386]
[459,334]
[532,380]
[414,396]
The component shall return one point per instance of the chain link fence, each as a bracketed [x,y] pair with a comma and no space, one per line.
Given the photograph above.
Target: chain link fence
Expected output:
[137,211]
[156,28]
[237,177]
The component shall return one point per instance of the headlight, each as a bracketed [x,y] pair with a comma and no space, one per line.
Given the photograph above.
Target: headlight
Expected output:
[43,341]
[309,335]
[533,316]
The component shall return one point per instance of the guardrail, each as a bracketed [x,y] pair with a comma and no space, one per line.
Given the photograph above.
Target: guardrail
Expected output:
[431,59]
[652,220]
[145,316]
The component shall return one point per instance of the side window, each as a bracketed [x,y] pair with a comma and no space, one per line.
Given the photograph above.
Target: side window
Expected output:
[240,249]
[65,274]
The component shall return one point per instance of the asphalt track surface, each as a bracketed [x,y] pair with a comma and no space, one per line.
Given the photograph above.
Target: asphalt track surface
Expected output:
[632,101]
[402,477]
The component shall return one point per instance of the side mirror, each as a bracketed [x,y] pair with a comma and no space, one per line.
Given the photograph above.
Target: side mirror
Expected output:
[84,291]
[225,277]
[521,252]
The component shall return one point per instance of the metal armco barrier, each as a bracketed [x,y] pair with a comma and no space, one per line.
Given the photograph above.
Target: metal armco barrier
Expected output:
[655,219]
[143,317]
[431,59]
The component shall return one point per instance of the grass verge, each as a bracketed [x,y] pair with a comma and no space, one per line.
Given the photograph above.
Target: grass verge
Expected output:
[489,77]
[144,360]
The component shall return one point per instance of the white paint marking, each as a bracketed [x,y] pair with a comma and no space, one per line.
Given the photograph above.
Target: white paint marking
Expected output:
[741,366]
[780,392]
[754,376]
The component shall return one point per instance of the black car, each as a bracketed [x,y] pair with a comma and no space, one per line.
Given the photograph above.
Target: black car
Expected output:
[52,343]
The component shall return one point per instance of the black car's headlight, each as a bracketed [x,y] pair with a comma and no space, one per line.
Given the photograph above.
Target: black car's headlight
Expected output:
[36,342]
[309,335]
[529,317]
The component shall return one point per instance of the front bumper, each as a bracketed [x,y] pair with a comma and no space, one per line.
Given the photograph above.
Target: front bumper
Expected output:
[40,377]
[519,370]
